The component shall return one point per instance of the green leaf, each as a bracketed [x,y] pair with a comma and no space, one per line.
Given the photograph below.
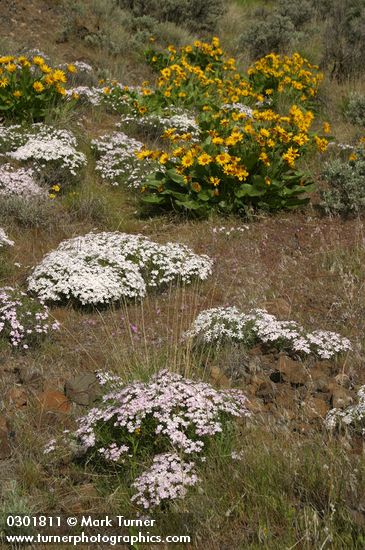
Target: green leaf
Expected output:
[152,199]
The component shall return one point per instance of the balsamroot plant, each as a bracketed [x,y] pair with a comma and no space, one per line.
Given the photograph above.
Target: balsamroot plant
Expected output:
[101,268]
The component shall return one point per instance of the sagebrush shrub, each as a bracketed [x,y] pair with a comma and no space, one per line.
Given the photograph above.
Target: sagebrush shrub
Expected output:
[193,14]
[355,108]
[344,39]
[298,11]
[275,33]
[345,194]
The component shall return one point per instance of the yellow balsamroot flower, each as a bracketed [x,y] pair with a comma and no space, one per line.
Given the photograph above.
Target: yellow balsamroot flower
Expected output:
[144,154]
[264,158]
[6,59]
[38,60]
[17,93]
[142,110]
[290,156]
[52,196]
[106,90]
[182,94]
[10,67]
[241,173]
[45,69]
[187,160]
[267,180]
[56,188]
[218,141]
[326,128]
[61,90]
[214,181]
[48,79]
[205,159]
[321,143]
[71,68]
[38,86]
[223,158]
[59,76]
[353,156]
[164,158]
[4,82]
[178,151]
[196,187]
[301,139]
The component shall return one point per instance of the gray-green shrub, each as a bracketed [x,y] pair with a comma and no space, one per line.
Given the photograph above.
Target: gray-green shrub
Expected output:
[196,15]
[345,193]
[274,33]
[355,108]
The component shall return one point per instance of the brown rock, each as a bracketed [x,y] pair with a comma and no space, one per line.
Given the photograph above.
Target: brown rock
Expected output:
[219,378]
[83,389]
[315,407]
[31,377]
[279,307]
[5,449]
[340,397]
[343,379]
[266,391]
[54,401]
[17,397]
[292,372]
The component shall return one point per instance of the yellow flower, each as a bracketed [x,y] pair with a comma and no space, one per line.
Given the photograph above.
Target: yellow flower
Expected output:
[196,187]
[56,187]
[267,180]
[321,143]
[142,110]
[38,86]
[214,181]
[144,154]
[45,69]
[164,158]
[71,68]
[326,128]
[264,158]
[187,160]
[241,173]
[353,156]
[10,67]
[106,90]
[4,82]
[52,196]
[290,156]
[38,60]
[49,79]
[204,159]
[61,90]
[59,76]
[17,93]
[223,158]
[218,140]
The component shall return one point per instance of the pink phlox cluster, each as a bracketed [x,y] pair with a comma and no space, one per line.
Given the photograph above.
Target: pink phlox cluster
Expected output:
[220,324]
[23,319]
[18,182]
[167,479]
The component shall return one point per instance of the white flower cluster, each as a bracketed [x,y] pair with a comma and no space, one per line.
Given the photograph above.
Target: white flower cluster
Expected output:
[44,144]
[23,320]
[117,161]
[92,95]
[4,239]
[18,182]
[351,416]
[228,231]
[10,137]
[228,323]
[80,66]
[183,122]
[108,267]
[167,479]
[240,108]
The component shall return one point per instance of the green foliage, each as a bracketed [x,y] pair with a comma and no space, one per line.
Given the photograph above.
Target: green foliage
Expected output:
[275,33]
[196,15]
[298,11]
[346,185]
[355,109]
